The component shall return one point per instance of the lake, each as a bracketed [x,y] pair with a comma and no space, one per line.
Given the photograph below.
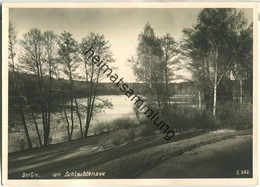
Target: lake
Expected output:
[122,107]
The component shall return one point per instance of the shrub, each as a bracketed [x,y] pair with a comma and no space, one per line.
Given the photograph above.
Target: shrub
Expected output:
[236,115]
[22,144]
[184,118]
[35,141]
[119,137]
[50,139]
[99,128]
[207,121]
[117,124]
[229,115]
[131,134]
[146,128]
[123,136]
[123,123]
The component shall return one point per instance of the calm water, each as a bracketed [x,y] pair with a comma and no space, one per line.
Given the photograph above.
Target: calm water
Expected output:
[122,107]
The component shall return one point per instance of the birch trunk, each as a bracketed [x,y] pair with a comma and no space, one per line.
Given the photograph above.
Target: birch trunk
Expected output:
[215,100]
[199,99]
[241,91]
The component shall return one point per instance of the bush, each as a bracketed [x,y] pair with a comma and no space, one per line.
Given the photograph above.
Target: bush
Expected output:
[235,115]
[35,141]
[146,128]
[229,115]
[99,128]
[117,124]
[123,123]
[125,130]
[119,137]
[131,134]
[185,118]
[50,139]
[123,136]
[207,121]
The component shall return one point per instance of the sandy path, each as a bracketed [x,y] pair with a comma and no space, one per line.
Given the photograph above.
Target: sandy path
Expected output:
[225,158]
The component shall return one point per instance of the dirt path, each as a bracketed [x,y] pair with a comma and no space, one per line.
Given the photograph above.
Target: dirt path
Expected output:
[127,161]
[226,158]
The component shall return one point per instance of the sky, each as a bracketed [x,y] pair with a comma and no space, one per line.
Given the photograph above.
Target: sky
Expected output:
[120,26]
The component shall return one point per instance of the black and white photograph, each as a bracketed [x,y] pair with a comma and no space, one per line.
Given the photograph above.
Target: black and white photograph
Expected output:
[145,91]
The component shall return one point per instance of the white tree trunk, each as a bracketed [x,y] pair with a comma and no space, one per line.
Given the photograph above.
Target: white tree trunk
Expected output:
[215,100]
[199,99]
[241,90]
[215,84]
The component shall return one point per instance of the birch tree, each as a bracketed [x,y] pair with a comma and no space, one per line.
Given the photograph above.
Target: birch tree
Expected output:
[148,64]
[213,39]
[243,63]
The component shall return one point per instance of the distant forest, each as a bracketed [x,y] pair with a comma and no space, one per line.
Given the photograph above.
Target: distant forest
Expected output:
[108,88]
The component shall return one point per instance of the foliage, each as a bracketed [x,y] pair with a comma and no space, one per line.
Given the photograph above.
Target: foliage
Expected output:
[131,134]
[146,129]
[119,138]
[101,127]
[211,48]
[230,116]
[236,116]
[123,123]
[148,64]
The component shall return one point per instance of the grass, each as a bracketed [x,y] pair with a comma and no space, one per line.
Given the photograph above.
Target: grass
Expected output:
[126,130]
[117,124]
